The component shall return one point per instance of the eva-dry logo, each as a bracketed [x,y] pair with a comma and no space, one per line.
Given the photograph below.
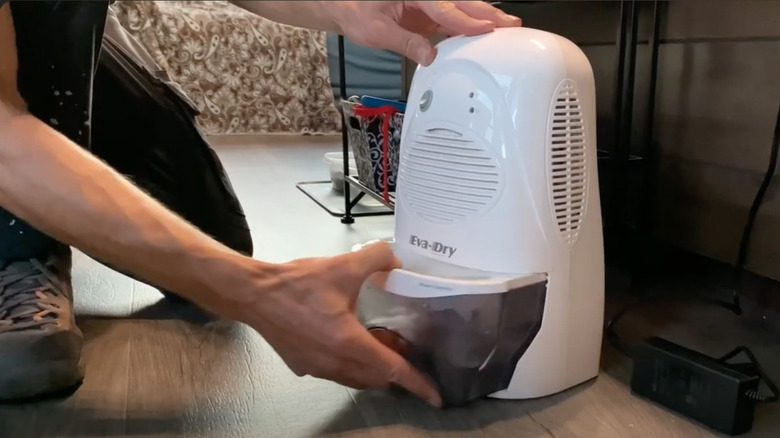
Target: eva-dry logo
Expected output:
[435,247]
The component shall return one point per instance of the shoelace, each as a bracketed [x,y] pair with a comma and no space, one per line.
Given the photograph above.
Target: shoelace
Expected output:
[26,289]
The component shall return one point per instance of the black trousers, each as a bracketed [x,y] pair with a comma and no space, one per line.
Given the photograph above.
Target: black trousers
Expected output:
[92,93]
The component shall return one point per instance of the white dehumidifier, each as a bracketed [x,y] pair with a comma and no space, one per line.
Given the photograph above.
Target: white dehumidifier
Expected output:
[498,221]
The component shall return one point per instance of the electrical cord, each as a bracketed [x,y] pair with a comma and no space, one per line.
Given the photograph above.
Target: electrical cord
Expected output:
[744,243]
[754,395]
[624,347]
[735,306]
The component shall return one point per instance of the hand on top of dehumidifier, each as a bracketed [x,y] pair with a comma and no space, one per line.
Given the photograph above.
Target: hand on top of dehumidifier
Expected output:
[406,27]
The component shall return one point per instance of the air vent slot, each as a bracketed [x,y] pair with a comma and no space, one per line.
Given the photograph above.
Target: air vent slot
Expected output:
[443,132]
[447,177]
[567,162]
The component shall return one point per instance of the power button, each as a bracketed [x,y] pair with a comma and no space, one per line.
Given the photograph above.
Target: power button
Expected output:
[425,100]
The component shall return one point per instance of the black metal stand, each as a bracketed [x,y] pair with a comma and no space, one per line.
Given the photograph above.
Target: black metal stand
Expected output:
[365,190]
[320,191]
[624,102]
[648,190]
[347,218]
[634,236]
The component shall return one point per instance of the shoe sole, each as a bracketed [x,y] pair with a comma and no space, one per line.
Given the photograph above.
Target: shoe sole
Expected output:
[48,366]
[54,378]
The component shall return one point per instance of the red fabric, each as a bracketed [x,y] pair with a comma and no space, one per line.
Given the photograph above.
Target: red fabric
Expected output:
[387,111]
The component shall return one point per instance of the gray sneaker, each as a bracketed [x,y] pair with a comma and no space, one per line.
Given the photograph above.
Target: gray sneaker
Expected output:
[40,345]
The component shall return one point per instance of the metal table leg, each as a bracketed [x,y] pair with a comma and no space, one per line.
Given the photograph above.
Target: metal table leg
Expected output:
[347,218]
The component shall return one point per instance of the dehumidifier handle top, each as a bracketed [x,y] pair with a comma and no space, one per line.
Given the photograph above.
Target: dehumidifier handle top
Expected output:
[417,285]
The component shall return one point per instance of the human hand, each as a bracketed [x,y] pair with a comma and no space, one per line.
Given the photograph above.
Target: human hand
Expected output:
[308,315]
[407,26]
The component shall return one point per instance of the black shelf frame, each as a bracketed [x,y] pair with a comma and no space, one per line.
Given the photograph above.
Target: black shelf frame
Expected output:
[352,203]
[353,181]
[348,216]
[629,236]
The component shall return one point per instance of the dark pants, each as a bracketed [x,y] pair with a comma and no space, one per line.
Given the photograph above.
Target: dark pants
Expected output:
[93,94]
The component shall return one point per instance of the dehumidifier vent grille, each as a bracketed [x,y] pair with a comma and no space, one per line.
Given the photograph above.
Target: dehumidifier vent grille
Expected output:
[567,166]
[448,177]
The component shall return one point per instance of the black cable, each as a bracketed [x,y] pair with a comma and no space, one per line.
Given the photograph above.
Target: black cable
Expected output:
[624,347]
[767,381]
[618,343]
[757,201]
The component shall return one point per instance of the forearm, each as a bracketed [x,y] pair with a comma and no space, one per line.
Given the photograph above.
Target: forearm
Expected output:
[318,15]
[65,192]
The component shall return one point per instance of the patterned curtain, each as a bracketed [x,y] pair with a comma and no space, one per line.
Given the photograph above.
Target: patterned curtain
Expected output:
[246,74]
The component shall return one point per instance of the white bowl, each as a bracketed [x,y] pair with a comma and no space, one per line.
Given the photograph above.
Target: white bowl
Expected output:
[335,162]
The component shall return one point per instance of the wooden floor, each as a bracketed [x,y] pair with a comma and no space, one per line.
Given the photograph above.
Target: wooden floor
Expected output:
[153,371]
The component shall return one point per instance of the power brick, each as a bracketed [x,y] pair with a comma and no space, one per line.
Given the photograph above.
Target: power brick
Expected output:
[704,389]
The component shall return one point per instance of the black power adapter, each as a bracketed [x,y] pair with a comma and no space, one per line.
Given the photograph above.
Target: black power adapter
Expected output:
[718,395]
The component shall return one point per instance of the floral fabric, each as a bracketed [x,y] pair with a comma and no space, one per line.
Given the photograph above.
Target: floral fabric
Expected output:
[366,140]
[245,74]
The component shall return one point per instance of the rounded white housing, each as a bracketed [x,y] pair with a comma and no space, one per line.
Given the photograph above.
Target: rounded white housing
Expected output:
[498,174]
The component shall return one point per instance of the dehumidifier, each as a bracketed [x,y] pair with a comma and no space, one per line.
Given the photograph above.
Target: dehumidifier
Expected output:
[498,221]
